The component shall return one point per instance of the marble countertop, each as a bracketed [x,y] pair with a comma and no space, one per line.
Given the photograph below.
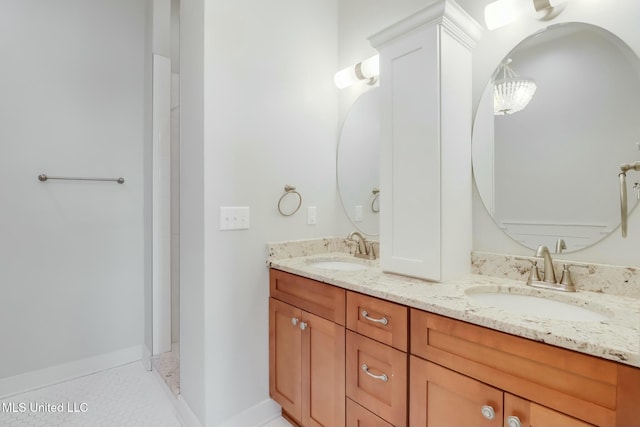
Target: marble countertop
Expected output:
[616,338]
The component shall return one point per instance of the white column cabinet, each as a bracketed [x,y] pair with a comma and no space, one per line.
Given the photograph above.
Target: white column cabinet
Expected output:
[425,171]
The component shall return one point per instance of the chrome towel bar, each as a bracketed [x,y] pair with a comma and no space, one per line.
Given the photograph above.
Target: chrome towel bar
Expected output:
[44,177]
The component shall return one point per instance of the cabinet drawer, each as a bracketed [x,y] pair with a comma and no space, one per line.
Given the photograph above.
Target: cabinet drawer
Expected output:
[358,416]
[380,320]
[376,376]
[567,381]
[310,295]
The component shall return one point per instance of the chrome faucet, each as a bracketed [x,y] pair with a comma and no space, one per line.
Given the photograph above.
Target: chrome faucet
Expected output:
[549,272]
[364,248]
[560,245]
[550,282]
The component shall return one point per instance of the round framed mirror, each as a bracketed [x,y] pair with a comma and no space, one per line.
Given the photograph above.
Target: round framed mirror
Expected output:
[358,163]
[550,171]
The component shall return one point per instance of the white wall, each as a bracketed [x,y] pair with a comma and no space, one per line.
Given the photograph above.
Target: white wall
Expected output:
[175,171]
[270,115]
[71,257]
[621,20]
[192,220]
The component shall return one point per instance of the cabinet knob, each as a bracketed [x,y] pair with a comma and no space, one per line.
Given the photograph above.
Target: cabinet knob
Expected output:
[303,325]
[513,421]
[382,321]
[488,412]
[294,321]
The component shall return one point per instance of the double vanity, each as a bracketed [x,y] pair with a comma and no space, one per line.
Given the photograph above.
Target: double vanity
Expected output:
[352,345]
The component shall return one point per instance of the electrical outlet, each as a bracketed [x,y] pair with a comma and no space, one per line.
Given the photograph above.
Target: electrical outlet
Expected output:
[311,215]
[234,218]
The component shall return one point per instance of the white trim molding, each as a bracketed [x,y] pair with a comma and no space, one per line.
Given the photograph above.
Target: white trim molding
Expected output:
[56,374]
[453,18]
[256,416]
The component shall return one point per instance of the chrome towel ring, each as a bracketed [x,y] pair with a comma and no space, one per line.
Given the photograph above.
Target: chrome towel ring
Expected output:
[623,194]
[376,194]
[289,189]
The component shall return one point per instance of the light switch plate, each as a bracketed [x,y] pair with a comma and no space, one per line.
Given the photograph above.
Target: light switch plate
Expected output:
[234,218]
[358,213]
[312,218]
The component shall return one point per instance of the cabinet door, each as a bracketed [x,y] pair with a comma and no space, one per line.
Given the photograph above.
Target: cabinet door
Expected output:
[323,390]
[441,397]
[523,413]
[285,344]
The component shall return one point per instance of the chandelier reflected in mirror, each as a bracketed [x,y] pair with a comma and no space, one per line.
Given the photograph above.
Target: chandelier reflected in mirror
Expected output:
[511,93]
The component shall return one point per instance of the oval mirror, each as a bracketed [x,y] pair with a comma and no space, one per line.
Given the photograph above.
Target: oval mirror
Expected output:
[550,171]
[358,163]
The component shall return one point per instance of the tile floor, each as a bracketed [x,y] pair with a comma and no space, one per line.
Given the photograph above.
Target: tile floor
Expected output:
[126,396]
[168,366]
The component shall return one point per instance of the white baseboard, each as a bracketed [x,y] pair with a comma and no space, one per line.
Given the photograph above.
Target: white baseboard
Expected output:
[180,406]
[185,414]
[256,416]
[56,374]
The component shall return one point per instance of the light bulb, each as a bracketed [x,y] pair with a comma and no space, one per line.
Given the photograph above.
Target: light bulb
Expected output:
[345,77]
[503,12]
[362,71]
[370,67]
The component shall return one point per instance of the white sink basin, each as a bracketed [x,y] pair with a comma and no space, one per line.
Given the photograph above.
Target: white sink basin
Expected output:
[535,306]
[343,265]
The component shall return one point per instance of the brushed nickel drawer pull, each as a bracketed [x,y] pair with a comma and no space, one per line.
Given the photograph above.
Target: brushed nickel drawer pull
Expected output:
[382,321]
[383,377]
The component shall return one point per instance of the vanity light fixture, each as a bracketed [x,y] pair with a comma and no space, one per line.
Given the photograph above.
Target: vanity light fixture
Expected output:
[366,71]
[503,12]
[511,93]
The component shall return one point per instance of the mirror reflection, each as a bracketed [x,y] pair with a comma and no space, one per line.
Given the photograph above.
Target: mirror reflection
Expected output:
[550,171]
[358,163]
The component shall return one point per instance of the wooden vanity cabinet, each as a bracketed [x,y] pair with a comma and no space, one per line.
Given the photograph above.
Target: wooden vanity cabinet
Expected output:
[457,374]
[376,360]
[468,367]
[307,349]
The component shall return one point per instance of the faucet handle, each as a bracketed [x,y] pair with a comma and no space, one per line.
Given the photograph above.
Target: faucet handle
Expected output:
[371,252]
[565,279]
[534,274]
